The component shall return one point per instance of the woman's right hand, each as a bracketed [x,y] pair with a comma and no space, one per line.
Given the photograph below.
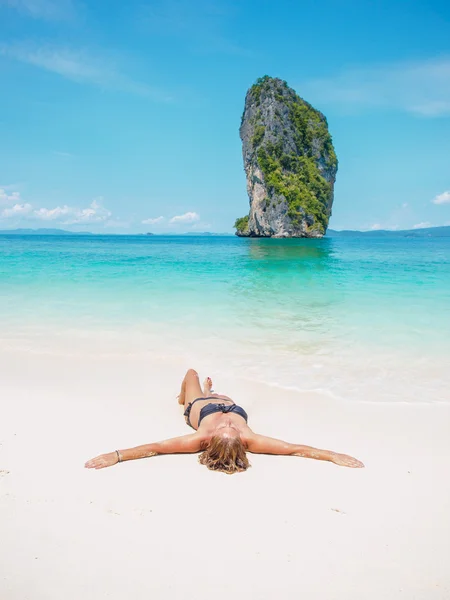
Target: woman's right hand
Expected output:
[102,461]
[343,460]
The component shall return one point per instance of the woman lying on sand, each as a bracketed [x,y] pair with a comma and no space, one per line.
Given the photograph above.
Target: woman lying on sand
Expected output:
[221,433]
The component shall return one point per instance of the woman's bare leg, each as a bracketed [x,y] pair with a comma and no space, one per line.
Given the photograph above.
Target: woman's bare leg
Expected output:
[190,388]
[208,392]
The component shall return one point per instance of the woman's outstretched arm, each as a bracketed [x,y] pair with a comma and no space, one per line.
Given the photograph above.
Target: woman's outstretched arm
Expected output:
[184,444]
[260,444]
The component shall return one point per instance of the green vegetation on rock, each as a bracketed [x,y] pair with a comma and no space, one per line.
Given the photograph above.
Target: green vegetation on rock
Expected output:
[241,225]
[258,135]
[298,180]
[289,141]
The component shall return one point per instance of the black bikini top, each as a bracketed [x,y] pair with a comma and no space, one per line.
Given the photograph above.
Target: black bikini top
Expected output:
[212,408]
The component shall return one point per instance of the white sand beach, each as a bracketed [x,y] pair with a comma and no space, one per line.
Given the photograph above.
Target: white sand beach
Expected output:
[168,528]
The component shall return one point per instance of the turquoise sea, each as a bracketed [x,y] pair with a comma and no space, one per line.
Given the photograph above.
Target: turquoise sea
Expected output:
[360,318]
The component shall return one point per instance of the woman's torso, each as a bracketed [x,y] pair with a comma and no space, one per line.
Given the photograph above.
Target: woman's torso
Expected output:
[211,421]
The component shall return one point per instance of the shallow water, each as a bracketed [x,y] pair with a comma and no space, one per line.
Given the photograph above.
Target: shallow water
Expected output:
[359,318]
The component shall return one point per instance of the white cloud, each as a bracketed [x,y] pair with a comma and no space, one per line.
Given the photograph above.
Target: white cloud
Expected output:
[63,154]
[6,198]
[422,225]
[64,215]
[50,10]
[421,87]
[72,64]
[95,213]
[189,217]
[380,227]
[81,67]
[52,214]
[18,210]
[154,221]
[443,198]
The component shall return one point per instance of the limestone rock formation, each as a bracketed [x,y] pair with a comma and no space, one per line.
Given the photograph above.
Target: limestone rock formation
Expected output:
[289,161]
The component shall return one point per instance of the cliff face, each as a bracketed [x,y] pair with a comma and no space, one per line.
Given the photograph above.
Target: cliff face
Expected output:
[289,161]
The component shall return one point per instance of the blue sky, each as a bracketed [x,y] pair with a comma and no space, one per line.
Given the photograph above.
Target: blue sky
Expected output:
[123,116]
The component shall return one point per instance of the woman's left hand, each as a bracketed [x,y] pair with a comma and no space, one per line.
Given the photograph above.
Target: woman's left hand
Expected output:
[343,460]
[102,461]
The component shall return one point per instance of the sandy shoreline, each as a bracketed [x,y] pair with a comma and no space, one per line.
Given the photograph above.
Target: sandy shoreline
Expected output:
[168,528]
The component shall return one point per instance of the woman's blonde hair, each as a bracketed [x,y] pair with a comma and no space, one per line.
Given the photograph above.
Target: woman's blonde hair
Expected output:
[225,454]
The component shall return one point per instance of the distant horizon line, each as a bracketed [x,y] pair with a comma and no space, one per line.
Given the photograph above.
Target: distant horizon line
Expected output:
[57,231]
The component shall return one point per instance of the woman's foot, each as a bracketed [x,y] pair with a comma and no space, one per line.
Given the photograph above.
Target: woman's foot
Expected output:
[207,386]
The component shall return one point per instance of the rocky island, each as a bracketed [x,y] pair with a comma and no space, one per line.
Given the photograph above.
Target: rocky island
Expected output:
[289,161]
